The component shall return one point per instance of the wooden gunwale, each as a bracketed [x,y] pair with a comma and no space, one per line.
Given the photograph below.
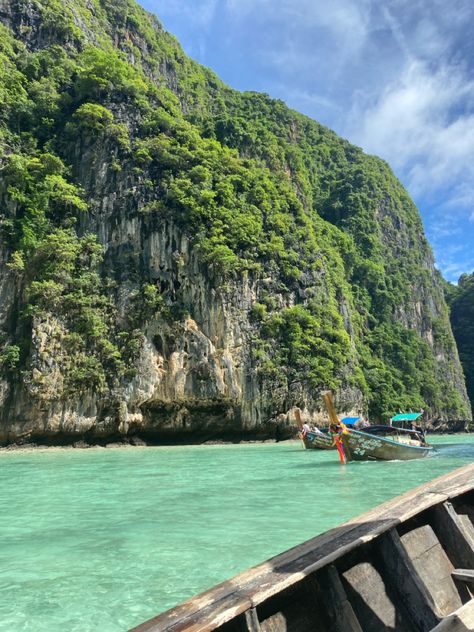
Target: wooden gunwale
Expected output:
[244,592]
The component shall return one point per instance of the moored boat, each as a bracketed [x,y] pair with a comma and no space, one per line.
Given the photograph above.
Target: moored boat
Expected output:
[379,442]
[317,440]
[405,566]
[384,443]
[313,439]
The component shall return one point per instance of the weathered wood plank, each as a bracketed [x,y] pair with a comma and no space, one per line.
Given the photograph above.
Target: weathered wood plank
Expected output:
[296,617]
[453,535]
[298,609]
[462,620]
[402,575]
[466,507]
[463,575]
[339,614]
[433,567]
[276,623]
[467,526]
[376,605]
[252,623]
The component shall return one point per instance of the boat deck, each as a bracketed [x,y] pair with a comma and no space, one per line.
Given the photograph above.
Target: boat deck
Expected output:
[460,620]
[405,566]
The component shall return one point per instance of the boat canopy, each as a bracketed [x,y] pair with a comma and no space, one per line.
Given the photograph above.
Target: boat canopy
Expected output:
[383,429]
[349,421]
[406,417]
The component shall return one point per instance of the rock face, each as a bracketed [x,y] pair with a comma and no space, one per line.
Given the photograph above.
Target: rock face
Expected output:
[461,302]
[248,257]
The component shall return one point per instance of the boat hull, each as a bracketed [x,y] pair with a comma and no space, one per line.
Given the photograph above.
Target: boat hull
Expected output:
[397,567]
[316,441]
[362,446]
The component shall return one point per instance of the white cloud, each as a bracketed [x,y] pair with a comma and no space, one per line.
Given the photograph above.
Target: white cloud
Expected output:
[420,124]
[302,26]
[345,19]
[452,270]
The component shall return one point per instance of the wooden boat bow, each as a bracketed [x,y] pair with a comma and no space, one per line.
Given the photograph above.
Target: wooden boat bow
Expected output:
[396,566]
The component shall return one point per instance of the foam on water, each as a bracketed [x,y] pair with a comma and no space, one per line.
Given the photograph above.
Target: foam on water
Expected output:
[104,539]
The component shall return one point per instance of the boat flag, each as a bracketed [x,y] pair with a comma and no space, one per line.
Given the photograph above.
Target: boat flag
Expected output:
[340,449]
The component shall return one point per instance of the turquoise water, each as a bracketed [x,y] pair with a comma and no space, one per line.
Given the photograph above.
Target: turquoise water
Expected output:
[103,539]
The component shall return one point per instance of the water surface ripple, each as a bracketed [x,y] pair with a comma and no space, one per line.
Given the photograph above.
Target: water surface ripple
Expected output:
[103,539]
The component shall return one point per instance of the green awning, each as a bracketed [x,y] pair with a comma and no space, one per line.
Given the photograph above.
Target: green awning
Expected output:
[406,417]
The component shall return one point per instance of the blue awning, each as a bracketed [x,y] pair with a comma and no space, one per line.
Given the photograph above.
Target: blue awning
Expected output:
[406,417]
[350,421]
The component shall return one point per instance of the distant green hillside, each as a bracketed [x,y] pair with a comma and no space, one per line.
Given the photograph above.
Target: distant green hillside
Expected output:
[461,301]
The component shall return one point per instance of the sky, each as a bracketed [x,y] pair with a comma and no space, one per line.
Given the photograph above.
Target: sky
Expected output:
[394,77]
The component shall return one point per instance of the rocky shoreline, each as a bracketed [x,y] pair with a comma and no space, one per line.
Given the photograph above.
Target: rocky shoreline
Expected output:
[137,442]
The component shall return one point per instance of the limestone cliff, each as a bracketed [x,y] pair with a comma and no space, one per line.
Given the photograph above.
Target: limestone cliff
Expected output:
[460,299]
[179,261]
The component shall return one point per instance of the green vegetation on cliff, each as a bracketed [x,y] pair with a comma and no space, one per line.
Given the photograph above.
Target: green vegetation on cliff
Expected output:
[461,301]
[347,295]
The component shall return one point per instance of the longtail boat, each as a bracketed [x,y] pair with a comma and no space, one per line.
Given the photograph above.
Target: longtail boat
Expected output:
[405,566]
[317,440]
[381,442]
[313,440]
[384,443]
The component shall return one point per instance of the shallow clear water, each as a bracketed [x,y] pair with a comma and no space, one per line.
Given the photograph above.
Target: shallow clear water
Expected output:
[103,539]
